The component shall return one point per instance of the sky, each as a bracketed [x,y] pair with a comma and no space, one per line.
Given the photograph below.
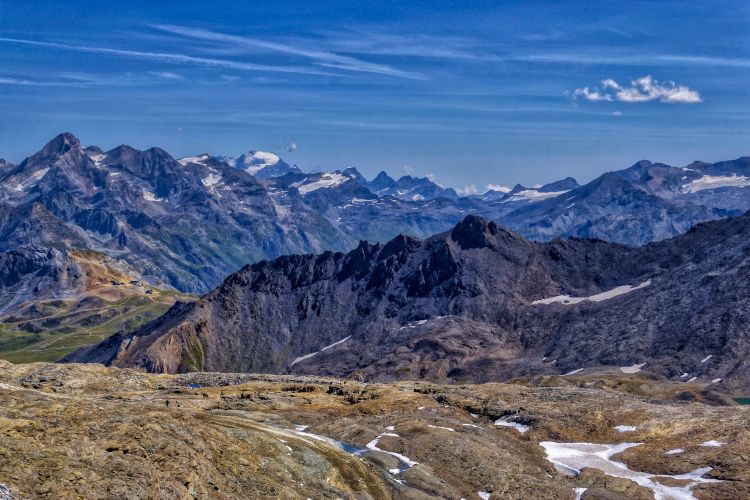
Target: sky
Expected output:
[474,93]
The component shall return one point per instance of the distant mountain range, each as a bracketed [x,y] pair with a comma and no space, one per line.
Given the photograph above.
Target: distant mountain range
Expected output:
[190,222]
[474,304]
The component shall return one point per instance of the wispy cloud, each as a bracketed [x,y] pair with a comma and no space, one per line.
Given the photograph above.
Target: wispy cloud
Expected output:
[467,190]
[23,82]
[659,60]
[641,89]
[170,57]
[499,187]
[167,75]
[319,57]
[411,45]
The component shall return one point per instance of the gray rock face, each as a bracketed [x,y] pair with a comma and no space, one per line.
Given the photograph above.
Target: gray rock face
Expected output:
[461,306]
[35,272]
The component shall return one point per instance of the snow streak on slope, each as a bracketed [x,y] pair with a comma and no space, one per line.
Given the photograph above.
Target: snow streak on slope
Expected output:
[609,294]
[715,182]
[326,181]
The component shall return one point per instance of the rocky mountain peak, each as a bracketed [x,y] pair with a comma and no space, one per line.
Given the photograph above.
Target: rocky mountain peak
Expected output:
[382,182]
[474,232]
[565,184]
[60,145]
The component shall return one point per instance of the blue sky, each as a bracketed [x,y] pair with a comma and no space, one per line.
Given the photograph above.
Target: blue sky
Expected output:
[474,93]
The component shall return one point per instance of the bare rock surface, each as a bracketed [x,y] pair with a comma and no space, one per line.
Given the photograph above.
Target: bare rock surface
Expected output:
[96,432]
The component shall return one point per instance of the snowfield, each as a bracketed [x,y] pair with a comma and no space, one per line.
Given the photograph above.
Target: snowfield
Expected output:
[570,458]
[211,180]
[533,195]
[632,369]
[599,297]
[198,160]
[326,181]
[715,182]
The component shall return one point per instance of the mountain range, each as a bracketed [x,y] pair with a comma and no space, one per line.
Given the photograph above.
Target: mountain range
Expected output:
[474,304]
[190,222]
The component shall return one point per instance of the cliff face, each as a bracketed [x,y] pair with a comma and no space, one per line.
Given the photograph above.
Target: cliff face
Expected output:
[469,305]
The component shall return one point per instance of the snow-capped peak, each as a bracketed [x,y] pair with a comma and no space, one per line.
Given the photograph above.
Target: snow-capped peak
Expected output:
[254,161]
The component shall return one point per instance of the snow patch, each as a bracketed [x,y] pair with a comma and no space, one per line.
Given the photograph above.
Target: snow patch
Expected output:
[98,159]
[373,445]
[615,292]
[31,180]
[707,358]
[483,495]
[693,379]
[712,444]
[308,356]
[675,451]
[579,492]
[625,428]
[570,458]
[715,182]
[505,422]
[211,180]
[577,370]
[439,427]
[198,160]
[324,182]
[149,196]
[533,195]
[632,369]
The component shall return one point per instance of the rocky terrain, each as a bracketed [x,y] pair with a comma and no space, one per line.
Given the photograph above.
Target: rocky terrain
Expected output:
[475,304]
[94,432]
[53,301]
[192,221]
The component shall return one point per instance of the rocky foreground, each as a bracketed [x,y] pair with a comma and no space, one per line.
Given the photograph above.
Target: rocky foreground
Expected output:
[69,431]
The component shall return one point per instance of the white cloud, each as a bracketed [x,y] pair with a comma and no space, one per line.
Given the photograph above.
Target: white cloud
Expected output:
[467,190]
[498,187]
[291,147]
[642,89]
[592,95]
[167,75]
[432,177]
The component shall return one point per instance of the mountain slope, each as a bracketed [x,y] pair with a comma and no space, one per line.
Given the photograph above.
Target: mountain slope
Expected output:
[53,301]
[461,306]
